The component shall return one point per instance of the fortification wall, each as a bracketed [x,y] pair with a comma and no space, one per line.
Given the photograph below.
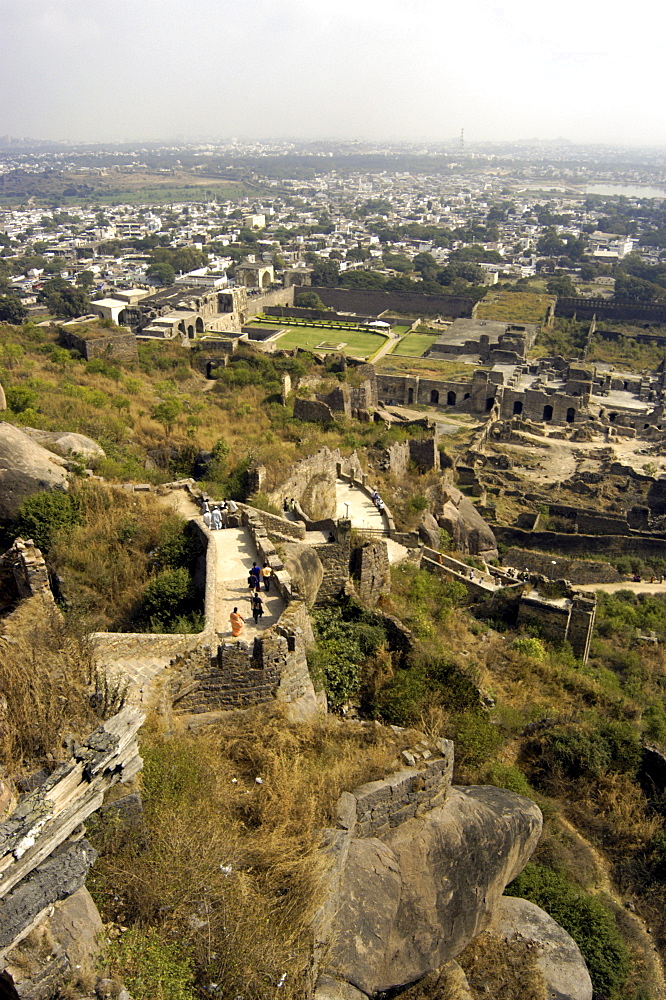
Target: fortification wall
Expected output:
[275,297]
[608,309]
[372,302]
[608,546]
[120,346]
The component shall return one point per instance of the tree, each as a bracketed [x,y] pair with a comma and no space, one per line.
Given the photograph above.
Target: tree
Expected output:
[309,300]
[630,289]
[362,279]
[561,285]
[12,309]
[86,279]
[324,272]
[167,413]
[63,300]
[161,272]
[550,244]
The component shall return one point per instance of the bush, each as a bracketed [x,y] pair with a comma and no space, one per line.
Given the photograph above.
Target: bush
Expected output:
[530,647]
[585,752]
[167,595]
[20,398]
[43,514]
[588,921]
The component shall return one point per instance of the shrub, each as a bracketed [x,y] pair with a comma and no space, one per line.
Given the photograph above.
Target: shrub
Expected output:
[585,917]
[585,752]
[168,594]
[43,514]
[530,647]
[20,398]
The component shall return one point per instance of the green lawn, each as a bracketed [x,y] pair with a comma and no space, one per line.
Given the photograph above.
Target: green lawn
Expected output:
[414,345]
[359,343]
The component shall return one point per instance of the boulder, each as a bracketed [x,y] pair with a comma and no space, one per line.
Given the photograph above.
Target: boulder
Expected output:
[25,468]
[305,569]
[470,533]
[3,400]
[66,443]
[411,902]
[429,531]
[560,961]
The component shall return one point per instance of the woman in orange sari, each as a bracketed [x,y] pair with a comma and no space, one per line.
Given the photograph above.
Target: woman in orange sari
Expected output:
[237,622]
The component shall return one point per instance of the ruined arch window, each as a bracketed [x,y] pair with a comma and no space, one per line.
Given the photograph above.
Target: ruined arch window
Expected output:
[451,398]
[190,332]
[489,403]
[571,415]
[410,395]
[466,396]
[548,412]
[199,325]
[611,417]
[434,397]
[625,386]
[645,427]
[517,407]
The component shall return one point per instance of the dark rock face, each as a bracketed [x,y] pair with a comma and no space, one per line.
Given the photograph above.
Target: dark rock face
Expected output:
[305,569]
[560,960]
[412,901]
[429,531]
[25,468]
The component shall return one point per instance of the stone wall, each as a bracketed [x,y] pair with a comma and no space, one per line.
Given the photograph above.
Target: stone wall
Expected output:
[24,569]
[648,312]
[576,570]
[568,619]
[371,302]
[608,546]
[313,411]
[335,558]
[275,297]
[120,346]
[238,675]
[379,806]
[371,571]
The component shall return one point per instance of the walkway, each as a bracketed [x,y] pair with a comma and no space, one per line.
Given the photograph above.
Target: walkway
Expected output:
[354,504]
[235,554]
[636,588]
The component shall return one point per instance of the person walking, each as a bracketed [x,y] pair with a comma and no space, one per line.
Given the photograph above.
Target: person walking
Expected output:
[255,573]
[257,607]
[217,519]
[237,623]
[232,507]
[207,518]
[224,514]
[266,574]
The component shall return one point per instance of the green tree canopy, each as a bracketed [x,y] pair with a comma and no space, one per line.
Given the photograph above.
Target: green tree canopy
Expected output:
[12,309]
[63,300]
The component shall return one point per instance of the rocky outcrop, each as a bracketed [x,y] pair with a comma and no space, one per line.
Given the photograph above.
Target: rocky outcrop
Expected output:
[559,957]
[25,468]
[412,901]
[470,533]
[429,531]
[66,443]
[305,568]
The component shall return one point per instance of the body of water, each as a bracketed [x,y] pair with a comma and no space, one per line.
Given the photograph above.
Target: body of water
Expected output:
[629,190]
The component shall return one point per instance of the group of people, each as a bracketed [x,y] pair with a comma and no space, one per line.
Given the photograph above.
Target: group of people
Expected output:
[377,500]
[255,577]
[217,517]
[288,506]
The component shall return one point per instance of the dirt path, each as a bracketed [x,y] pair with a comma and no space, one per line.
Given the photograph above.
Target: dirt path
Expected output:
[636,588]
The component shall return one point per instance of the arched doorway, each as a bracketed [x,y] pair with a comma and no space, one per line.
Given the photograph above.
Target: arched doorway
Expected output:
[489,403]
[209,369]
[451,398]
[434,397]
[611,417]
[190,332]
[410,396]
[199,325]
[571,415]
[548,412]
[517,407]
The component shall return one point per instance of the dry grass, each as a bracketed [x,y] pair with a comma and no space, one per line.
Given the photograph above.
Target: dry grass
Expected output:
[46,677]
[105,562]
[232,868]
[503,970]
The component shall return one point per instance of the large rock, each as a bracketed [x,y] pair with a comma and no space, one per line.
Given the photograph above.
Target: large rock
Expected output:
[559,958]
[305,569]
[429,531]
[411,902]
[25,468]
[66,443]
[469,531]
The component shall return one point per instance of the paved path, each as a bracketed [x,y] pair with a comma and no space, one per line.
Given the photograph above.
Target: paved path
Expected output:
[361,511]
[235,554]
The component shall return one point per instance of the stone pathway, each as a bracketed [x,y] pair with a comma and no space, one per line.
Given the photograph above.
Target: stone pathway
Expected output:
[361,511]
[235,554]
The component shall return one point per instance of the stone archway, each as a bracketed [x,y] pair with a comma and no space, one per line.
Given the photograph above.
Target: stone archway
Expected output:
[548,412]
[451,398]
[410,396]
[199,325]
[190,331]
[571,415]
[434,397]
[517,407]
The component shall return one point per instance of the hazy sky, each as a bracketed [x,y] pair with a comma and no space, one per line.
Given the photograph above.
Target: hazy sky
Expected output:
[377,69]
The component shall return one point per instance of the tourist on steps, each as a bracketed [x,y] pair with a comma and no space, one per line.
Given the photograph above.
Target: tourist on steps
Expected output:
[266,574]
[217,519]
[207,518]
[237,622]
